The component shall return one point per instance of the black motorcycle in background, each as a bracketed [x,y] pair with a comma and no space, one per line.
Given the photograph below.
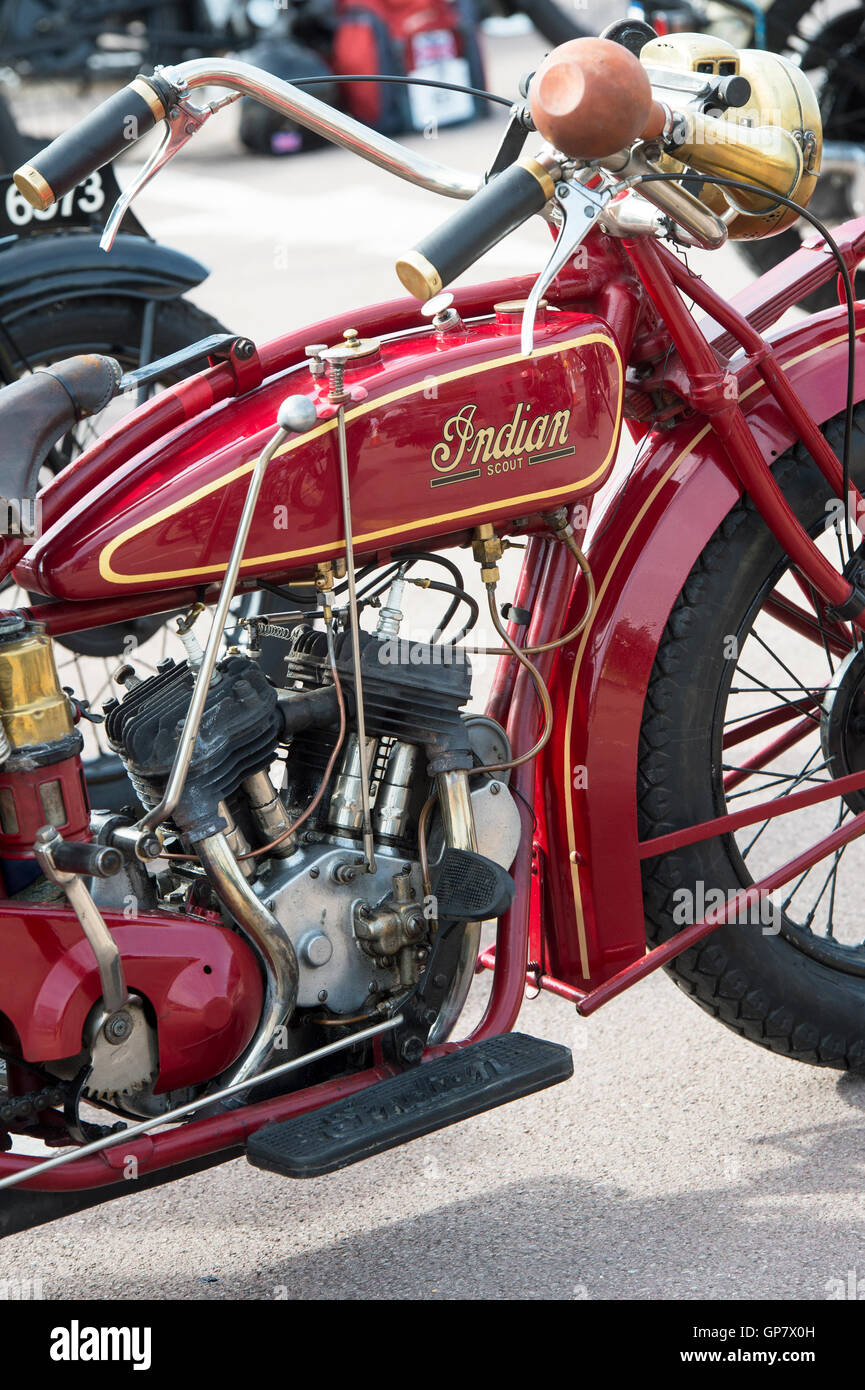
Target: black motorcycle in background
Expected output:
[111,38]
[826,38]
[60,295]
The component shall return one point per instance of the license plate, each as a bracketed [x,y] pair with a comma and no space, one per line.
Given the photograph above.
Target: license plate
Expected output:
[432,106]
[88,205]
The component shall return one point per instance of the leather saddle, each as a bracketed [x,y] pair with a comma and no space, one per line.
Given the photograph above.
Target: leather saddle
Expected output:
[37,410]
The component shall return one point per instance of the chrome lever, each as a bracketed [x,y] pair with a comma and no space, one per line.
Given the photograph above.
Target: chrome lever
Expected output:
[184,120]
[579,209]
[112,975]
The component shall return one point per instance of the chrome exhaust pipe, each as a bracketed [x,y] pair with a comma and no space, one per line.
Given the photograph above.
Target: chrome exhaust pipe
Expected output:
[273,945]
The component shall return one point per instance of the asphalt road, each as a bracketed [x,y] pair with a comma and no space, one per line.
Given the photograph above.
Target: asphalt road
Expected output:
[680,1162]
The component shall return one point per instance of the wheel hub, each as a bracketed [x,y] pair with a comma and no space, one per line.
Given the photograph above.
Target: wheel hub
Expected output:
[842,724]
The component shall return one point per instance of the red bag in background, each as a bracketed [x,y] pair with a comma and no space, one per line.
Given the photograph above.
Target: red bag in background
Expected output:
[434,39]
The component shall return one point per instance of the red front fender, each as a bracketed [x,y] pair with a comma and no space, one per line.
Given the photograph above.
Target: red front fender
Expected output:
[652,532]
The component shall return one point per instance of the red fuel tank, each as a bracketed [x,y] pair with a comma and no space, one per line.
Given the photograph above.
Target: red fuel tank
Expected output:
[445,430]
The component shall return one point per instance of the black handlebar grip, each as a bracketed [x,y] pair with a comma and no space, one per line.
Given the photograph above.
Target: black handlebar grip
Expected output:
[99,138]
[495,210]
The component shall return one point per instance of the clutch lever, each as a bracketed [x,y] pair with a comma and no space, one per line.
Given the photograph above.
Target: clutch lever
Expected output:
[579,208]
[184,120]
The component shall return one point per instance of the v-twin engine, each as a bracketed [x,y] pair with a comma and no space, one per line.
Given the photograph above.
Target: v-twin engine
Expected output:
[360,935]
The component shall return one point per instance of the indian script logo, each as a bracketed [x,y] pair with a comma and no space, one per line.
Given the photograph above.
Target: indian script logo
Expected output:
[468,450]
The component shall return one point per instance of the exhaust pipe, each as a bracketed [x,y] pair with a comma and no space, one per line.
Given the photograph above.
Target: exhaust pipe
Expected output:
[274,947]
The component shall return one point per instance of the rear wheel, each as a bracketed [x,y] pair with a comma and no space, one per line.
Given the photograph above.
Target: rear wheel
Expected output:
[756,693]
[87,660]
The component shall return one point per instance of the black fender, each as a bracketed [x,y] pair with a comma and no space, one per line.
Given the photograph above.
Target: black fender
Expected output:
[39,270]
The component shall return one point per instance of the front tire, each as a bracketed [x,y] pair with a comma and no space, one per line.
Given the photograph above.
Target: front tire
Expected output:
[800,990]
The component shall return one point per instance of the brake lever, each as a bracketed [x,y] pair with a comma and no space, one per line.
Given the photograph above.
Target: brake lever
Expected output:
[579,208]
[184,120]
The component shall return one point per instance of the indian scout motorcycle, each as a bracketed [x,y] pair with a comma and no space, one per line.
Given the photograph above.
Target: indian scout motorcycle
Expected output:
[270,954]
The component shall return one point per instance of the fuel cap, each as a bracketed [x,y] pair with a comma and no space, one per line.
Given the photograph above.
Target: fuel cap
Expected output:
[440,311]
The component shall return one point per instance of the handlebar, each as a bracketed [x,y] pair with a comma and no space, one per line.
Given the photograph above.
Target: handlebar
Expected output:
[501,206]
[102,135]
[591,99]
[103,129]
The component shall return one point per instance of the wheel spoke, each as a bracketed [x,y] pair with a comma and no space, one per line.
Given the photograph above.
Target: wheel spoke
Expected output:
[738,773]
[804,773]
[797,706]
[831,877]
[831,637]
[784,667]
[760,722]
[767,786]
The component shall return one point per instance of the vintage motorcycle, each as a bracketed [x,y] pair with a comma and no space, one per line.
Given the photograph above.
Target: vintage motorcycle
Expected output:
[271,954]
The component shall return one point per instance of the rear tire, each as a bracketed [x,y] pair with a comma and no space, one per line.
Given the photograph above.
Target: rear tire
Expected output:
[113,327]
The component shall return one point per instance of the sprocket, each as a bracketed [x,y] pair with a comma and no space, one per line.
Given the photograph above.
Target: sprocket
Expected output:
[120,1069]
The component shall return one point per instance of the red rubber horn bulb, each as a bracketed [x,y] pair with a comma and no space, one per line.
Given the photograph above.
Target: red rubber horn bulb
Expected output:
[592,97]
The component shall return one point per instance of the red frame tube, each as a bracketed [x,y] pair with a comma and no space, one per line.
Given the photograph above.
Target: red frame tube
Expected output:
[749,815]
[763,359]
[512,939]
[662,274]
[195,1140]
[683,940]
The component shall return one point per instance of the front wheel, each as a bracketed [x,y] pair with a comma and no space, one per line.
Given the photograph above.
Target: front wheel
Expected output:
[757,693]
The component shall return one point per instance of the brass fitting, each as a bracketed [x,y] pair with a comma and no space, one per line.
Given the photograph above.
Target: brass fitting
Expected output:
[33,707]
[187,620]
[487,551]
[563,531]
[325,572]
[558,523]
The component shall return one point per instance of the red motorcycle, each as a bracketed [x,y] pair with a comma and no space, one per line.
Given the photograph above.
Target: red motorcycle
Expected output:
[237,965]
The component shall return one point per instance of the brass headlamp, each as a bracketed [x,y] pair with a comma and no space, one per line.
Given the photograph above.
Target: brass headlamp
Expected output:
[775,140]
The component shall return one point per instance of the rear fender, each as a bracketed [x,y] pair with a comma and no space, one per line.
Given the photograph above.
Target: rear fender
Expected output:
[645,545]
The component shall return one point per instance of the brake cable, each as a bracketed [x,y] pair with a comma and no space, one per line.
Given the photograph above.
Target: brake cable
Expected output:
[401,82]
